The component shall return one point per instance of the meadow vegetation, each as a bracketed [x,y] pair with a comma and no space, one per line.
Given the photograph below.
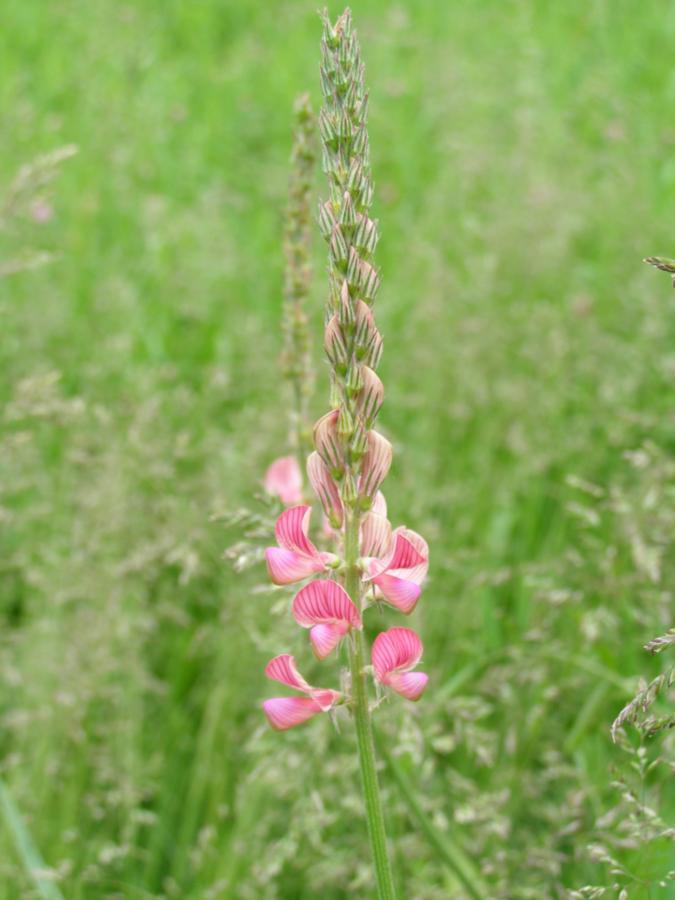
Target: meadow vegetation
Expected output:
[524,162]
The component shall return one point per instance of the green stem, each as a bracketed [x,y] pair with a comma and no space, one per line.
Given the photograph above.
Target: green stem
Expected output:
[28,853]
[362,721]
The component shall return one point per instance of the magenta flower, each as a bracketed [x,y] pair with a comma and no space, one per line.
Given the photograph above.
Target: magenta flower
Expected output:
[395,653]
[326,608]
[296,557]
[283,479]
[286,712]
[396,563]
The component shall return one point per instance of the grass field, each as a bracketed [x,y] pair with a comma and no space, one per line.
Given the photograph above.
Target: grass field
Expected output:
[524,161]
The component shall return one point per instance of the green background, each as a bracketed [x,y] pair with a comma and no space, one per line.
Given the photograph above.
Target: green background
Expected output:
[524,163]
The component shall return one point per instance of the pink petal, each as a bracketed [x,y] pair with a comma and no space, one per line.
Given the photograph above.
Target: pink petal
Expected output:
[400,592]
[406,555]
[327,442]
[379,505]
[410,684]
[375,465]
[371,395]
[282,668]
[325,488]
[325,638]
[325,698]
[292,531]
[324,603]
[286,567]
[395,651]
[283,479]
[376,536]
[287,712]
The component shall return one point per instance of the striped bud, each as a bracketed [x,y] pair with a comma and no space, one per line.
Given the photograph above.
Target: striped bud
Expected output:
[326,220]
[345,423]
[365,235]
[325,489]
[353,267]
[375,465]
[347,213]
[368,279]
[358,444]
[371,397]
[334,344]
[367,338]
[354,379]
[327,442]
[326,127]
[338,247]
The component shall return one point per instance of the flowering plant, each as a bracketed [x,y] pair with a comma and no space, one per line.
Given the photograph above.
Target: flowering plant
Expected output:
[370,562]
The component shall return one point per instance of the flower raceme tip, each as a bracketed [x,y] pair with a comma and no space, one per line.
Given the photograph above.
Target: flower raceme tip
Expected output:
[395,653]
[296,557]
[283,479]
[286,712]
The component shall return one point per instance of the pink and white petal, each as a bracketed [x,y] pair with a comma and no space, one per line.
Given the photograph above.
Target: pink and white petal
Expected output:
[379,505]
[409,684]
[287,712]
[326,637]
[375,465]
[324,602]
[406,555]
[286,567]
[327,441]
[394,651]
[325,698]
[325,488]
[292,530]
[376,536]
[283,479]
[282,668]
[400,592]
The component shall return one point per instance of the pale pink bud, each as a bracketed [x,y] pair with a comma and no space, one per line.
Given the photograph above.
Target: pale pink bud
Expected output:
[395,653]
[326,608]
[371,396]
[296,557]
[375,465]
[283,479]
[327,441]
[325,489]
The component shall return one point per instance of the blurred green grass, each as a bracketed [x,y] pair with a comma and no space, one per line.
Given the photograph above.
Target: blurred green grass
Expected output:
[524,162]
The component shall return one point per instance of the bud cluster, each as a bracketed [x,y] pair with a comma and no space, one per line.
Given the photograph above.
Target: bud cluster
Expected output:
[354,456]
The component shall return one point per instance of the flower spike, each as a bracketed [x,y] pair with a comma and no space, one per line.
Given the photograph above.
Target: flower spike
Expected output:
[395,653]
[326,608]
[296,557]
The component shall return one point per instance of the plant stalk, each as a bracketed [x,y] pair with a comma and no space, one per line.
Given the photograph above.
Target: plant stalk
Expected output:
[363,723]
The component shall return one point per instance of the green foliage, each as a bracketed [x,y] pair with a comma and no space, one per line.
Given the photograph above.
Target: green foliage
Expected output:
[523,165]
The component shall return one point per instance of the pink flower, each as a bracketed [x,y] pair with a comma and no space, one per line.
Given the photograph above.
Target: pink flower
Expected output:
[395,653]
[396,562]
[326,608]
[296,557]
[285,712]
[283,479]
[325,488]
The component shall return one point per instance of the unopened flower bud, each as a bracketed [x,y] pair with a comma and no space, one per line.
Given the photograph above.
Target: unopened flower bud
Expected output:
[327,441]
[375,465]
[371,396]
